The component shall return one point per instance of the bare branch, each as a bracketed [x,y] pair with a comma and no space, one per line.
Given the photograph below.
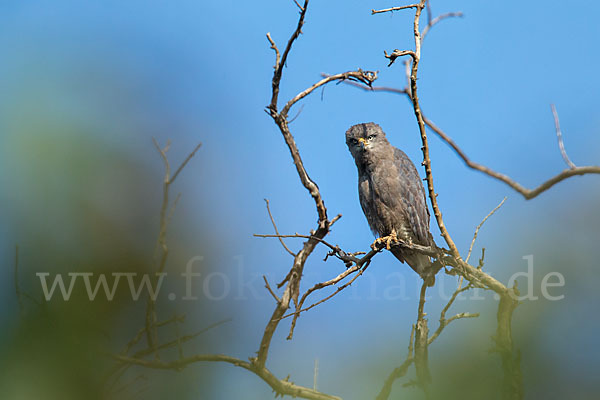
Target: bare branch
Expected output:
[421,345]
[479,227]
[527,193]
[276,50]
[281,63]
[276,230]
[395,9]
[432,22]
[561,145]
[161,243]
[398,53]
[179,340]
[281,387]
[184,163]
[277,299]
[511,362]
[400,371]
[299,6]
[322,285]
[443,321]
[366,77]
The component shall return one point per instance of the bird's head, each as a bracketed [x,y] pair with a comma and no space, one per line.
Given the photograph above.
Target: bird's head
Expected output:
[364,140]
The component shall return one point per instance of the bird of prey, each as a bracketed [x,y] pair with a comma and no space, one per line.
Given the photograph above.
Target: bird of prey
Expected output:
[391,194]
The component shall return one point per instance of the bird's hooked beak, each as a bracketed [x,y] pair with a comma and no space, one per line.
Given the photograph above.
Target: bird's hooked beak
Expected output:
[363,142]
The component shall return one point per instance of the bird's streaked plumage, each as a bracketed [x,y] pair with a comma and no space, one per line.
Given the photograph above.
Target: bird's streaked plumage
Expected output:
[391,193]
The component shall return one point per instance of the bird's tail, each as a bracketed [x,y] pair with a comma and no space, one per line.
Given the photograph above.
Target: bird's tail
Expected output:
[420,263]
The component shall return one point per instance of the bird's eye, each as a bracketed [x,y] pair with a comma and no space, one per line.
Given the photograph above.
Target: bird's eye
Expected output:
[353,141]
[371,137]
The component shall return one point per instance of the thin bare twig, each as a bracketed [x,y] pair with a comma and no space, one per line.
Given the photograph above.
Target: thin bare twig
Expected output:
[479,227]
[398,372]
[421,344]
[432,22]
[280,386]
[365,77]
[277,299]
[561,145]
[179,340]
[394,9]
[322,285]
[185,162]
[276,230]
[275,49]
[443,321]
[299,6]
[161,243]
[281,61]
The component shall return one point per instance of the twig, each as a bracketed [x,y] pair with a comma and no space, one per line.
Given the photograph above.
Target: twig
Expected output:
[322,285]
[398,372]
[275,49]
[276,230]
[443,321]
[421,343]
[280,62]
[184,163]
[561,145]
[395,9]
[527,193]
[299,6]
[277,299]
[281,387]
[479,227]
[179,340]
[432,22]
[365,77]
[161,243]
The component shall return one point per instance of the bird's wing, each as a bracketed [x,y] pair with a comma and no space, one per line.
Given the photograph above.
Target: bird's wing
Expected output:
[412,197]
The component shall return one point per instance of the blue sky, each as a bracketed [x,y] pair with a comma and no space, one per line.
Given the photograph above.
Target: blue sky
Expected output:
[120,73]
